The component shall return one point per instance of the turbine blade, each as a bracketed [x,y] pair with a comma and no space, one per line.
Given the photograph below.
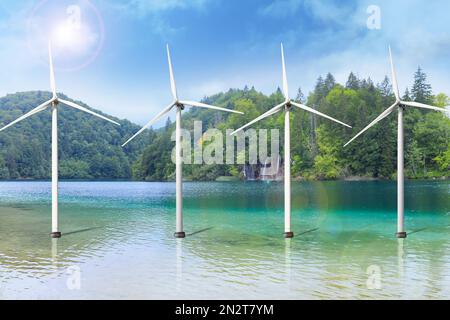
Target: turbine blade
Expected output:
[423,106]
[38,109]
[303,107]
[285,82]
[173,85]
[383,115]
[74,105]
[261,117]
[394,76]
[52,70]
[151,122]
[207,106]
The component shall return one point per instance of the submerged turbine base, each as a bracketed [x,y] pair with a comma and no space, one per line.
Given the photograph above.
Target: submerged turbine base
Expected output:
[180,235]
[55,235]
[401,235]
[288,235]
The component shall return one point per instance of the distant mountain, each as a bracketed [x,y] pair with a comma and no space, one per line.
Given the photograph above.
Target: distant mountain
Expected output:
[89,148]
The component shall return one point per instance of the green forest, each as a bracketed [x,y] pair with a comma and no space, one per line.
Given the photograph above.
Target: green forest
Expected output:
[317,144]
[90,148]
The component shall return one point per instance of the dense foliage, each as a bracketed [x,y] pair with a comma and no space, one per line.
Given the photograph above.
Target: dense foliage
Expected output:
[317,144]
[89,148]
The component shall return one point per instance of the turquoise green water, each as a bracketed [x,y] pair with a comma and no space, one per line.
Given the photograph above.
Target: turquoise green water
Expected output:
[118,237]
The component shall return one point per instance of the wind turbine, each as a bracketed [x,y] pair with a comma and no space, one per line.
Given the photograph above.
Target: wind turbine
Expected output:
[400,106]
[179,105]
[287,107]
[53,103]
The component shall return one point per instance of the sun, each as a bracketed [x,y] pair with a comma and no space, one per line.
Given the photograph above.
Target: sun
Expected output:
[74,39]
[66,35]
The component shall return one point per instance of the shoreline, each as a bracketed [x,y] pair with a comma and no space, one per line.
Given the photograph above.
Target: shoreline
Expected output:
[296,179]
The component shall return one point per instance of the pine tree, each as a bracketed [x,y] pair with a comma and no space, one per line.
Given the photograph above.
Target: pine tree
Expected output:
[330,82]
[319,84]
[300,96]
[168,124]
[278,92]
[407,95]
[370,85]
[353,82]
[421,91]
[385,87]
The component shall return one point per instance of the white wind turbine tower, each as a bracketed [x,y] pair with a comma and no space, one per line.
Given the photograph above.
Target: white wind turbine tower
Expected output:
[179,105]
[400,106]
[53,103]
[287,107]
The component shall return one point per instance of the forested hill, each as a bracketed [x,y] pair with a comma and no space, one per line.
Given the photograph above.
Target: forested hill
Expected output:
[317,144]
[89,147]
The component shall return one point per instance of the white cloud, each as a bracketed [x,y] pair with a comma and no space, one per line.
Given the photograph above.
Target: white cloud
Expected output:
[143,8]
[281,8]
[154,11]
[326,10]
[418,32]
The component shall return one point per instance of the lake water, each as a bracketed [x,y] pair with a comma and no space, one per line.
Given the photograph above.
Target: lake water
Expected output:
[118,241]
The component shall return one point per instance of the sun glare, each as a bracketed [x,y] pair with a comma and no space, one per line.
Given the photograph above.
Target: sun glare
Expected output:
[66,35]
[77,40]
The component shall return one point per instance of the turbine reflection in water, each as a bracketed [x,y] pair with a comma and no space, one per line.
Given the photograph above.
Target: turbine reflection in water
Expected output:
[54,250]
[288,263]
[179,264]
[401,261]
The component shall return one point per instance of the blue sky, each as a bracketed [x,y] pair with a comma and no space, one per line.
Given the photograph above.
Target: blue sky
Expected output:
[118,63]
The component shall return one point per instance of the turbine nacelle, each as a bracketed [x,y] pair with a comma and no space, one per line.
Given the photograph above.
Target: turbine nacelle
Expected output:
[178,104]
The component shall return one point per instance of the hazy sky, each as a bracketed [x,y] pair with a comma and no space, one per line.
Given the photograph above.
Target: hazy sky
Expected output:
[111,53]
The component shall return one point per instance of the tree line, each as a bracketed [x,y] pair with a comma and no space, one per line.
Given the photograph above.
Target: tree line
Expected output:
[317,144]
[90,148]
